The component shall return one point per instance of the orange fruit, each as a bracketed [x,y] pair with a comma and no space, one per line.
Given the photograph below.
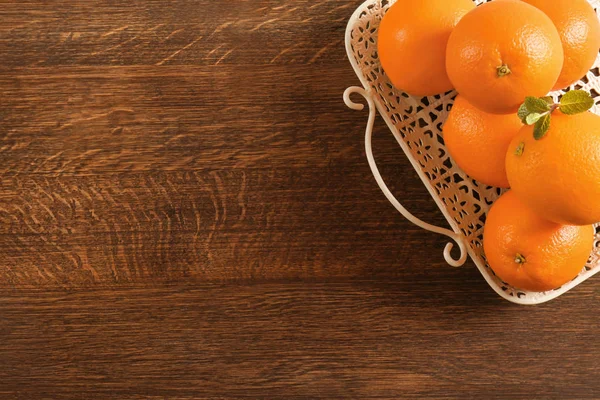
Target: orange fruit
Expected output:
[478,141]
[531,253]
[560,173]
[502,52]
[579,30]
[412,42]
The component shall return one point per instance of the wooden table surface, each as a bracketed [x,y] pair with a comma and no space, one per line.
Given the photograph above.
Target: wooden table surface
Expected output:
[186,212]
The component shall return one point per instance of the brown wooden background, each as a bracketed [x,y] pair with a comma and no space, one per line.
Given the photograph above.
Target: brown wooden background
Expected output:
[186,212]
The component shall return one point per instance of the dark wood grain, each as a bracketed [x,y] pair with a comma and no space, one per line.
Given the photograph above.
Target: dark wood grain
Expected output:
[354,339]
[71,231]
[186,212]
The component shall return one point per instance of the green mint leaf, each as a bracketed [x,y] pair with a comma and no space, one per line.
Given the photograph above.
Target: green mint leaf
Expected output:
[549,100]
[523,113]
[541,127]
[536,105]
[533,118]
[575,102]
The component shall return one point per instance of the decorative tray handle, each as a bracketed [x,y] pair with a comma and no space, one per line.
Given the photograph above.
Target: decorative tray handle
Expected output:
[368,148]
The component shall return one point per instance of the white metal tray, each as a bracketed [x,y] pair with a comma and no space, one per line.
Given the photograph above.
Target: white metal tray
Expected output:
[416,123]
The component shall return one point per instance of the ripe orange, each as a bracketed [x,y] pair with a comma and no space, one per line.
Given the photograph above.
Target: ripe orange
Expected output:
[579,30]
[412,43]
[560,173]
[531,253]
[502,52]
[478,141]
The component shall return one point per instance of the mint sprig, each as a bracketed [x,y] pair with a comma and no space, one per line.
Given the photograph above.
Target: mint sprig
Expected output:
[538,111]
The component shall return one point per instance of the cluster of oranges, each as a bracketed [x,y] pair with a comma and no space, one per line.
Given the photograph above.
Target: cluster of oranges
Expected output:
[503,57]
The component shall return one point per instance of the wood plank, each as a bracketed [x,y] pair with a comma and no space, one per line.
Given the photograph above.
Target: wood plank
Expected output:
[308,223]
[424,338]
[92,32]
[106,120]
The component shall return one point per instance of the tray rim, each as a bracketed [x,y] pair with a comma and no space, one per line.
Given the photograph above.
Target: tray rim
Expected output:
[483,269]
